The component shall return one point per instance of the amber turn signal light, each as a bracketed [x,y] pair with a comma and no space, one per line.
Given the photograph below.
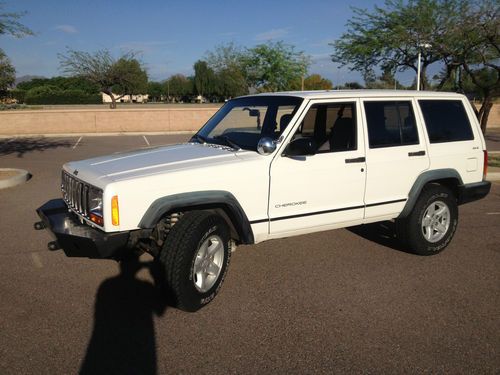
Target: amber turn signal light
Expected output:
[115,212]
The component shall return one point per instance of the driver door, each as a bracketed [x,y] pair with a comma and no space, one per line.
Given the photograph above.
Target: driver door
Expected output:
[325,189]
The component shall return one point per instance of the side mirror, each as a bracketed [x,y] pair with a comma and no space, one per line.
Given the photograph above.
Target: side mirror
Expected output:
[266,146]
[252,112]
[301,147]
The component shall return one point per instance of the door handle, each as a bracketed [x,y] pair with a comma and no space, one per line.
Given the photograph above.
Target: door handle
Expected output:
[361,159]
[417,153]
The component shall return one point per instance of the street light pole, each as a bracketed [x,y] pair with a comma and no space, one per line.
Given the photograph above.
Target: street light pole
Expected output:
[418,71]
[420,46]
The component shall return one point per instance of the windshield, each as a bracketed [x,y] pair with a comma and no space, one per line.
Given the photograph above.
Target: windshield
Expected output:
[241,122]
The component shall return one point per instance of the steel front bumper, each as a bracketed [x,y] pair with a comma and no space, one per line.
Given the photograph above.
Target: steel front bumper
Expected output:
[77,239]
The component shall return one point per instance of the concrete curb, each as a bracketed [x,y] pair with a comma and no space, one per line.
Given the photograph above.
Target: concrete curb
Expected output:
[20,178]
[495,176]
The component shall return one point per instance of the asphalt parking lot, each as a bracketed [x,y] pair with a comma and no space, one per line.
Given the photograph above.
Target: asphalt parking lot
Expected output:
[343,301]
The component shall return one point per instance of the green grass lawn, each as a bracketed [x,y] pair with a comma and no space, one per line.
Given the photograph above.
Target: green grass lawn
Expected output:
[494,160]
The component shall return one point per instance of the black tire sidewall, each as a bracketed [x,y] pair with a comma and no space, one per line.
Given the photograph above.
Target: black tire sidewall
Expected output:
[418,242]
[189,298]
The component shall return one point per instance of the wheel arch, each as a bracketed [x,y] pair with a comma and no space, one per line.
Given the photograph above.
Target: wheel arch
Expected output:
[221,202]
[447,177]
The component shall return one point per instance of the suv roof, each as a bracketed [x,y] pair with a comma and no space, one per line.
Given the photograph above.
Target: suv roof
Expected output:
[326,94]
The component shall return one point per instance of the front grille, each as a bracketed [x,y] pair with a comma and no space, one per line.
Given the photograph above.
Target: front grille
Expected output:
[75,193]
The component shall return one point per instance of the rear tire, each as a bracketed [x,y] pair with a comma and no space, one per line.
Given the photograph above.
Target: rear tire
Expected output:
[430,226]
[195,258]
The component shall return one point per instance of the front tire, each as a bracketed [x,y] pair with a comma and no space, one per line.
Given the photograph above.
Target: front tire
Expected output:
[195,258]
[432,223]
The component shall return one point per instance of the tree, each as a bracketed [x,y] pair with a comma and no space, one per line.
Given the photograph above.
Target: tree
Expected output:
[353,86]
[392,37]
[227,62]
[10,25]
[178,86]
[274,66]
[225,57]
[156,91]
[474,53]
[122,76]
[131,78]
[317,82]
[230,82]
[204,78]
[7,73]
[386,80]
[313,82]
[459,34]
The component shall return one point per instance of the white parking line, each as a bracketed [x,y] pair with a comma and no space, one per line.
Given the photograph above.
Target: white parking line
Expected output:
[37,261]
[146,140]
[492,213]
[77,142]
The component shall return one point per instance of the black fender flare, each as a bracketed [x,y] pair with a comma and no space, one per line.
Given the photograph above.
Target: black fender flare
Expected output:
[201,200]
[422,180]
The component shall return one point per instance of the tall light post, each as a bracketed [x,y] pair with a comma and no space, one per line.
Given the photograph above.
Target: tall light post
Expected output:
[420,46]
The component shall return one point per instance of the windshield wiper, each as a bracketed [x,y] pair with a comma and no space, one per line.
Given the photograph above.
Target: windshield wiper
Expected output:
[199,138]
[228,142]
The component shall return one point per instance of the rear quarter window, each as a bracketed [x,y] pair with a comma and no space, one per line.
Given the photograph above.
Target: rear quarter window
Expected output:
[446,120]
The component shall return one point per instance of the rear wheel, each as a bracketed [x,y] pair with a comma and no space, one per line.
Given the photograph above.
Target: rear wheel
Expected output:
[432,223]
[195,257]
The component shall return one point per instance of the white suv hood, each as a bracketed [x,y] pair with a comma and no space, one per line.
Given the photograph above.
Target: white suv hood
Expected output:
[151,161]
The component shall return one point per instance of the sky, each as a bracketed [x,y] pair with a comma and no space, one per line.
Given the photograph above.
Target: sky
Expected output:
[172,35]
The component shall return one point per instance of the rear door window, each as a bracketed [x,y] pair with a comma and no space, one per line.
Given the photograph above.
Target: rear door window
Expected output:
[390,123]
[446,120]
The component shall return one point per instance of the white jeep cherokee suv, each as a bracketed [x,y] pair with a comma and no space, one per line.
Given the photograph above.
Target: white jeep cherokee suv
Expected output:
[276,165]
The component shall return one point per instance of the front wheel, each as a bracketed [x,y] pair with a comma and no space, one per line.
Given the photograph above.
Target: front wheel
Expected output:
[432,223]
[195,258]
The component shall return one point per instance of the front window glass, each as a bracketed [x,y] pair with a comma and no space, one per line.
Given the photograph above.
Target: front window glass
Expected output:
[332,126]
[243,122]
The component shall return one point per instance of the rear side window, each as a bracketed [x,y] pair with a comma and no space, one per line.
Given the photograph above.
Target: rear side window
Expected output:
[390,123]
[446,120]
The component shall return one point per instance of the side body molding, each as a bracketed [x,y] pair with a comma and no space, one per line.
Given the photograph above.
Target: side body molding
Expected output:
[201,200]
[422,180]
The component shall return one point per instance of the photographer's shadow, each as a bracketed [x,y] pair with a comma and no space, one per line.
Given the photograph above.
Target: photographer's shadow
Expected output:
[123,338]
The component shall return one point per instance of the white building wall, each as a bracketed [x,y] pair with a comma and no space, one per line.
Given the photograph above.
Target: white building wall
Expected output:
[139,98]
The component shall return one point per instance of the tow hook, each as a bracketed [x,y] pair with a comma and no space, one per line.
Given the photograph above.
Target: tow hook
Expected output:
[53,245]
[39,225]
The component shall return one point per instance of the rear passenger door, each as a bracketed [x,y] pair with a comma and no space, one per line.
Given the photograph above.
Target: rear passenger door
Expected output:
[396,154]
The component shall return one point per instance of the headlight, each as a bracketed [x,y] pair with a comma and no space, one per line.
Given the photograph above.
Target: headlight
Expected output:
[95,206]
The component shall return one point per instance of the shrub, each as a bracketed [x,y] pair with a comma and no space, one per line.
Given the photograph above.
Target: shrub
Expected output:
[6,107]
[18,94]
[53,95]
